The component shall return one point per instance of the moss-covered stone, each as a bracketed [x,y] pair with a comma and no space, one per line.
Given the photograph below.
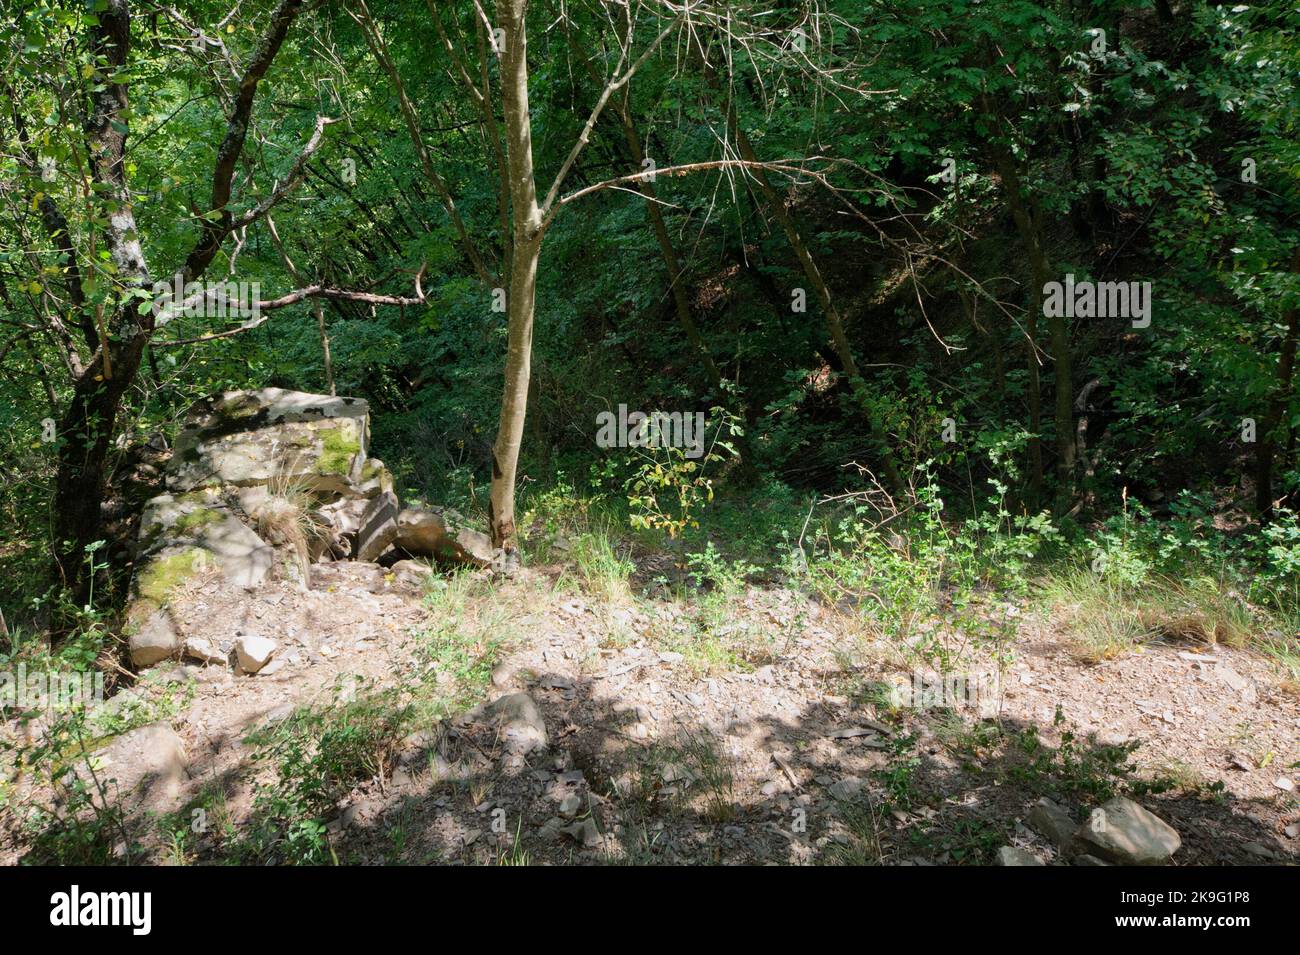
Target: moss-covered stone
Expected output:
[202,496]
[338,450]
[196,520]
[157,581]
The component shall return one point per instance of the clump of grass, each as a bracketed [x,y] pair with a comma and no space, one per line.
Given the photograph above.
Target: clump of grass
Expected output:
[1105,618]
[317,756]
[709,768]
[602,569]
[469,629]
[1202,609]
[864,822]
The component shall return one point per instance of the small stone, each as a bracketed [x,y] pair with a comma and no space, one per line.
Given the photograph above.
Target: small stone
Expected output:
[522,725]
[846,788]
[1123,832]
[200,649]
[852,732]
[1053,822]
[676,773]
[1234,679]
[272,668]
[1259,851]
[1011,856]
[155,640]
[585,832]
[1284,784]
[570,805]
[254,652]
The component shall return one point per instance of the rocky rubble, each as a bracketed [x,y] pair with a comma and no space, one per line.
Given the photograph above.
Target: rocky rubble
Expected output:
[1119,832]
[268,483]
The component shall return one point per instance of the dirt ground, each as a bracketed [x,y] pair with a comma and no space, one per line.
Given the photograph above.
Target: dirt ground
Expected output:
[793,754]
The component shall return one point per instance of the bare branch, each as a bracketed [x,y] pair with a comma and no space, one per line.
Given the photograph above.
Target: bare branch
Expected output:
[223,173]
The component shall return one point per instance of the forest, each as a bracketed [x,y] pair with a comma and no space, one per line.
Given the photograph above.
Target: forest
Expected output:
[653,432]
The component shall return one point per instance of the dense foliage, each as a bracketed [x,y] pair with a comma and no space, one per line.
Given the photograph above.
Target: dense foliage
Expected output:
[847,277]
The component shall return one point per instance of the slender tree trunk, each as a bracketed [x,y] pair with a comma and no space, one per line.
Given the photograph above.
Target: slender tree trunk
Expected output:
[1027,223]
[672,261]
[522,294]
[839,338]
[669,252]
[324,345]
[317,309]
[1277,410]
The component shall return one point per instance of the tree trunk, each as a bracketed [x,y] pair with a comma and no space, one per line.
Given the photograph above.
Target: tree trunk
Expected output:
[1027,223]
[669,253]
[1277,409]
[87,429]
[525,252]
[839,338]
[87,424]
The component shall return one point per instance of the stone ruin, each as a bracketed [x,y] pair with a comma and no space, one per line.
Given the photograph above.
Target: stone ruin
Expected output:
[263,485]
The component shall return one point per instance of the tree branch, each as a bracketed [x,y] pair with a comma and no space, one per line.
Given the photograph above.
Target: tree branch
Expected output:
[223,173]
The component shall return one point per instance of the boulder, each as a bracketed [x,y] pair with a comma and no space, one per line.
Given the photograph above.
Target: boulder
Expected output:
[1008,855]
[442,534]
[378,526]
[149,761]
[1124,833]
[1051,821]
[272,436]
[412,573]
[243,558]
[520,721]
[200,521]
[254,652]
[154,641]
